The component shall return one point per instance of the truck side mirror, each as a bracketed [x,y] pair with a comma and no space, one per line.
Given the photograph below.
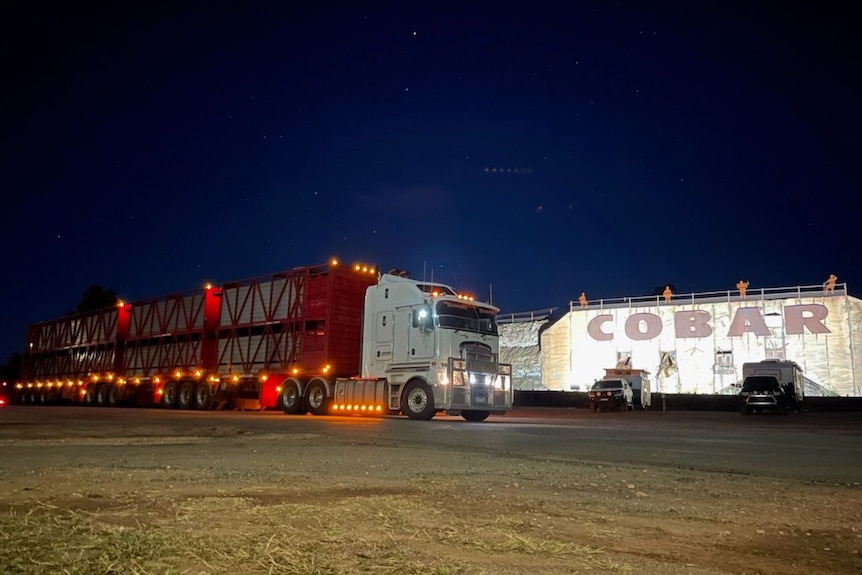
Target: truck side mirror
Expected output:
[423,319]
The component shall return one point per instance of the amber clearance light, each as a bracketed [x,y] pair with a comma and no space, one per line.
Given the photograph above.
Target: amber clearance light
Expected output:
[365,269]
[367,408]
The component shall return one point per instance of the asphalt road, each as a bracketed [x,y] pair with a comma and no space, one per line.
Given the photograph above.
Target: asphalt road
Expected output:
[818,447]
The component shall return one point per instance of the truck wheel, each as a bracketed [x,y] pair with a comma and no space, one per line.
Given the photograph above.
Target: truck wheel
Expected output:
[113,395]
[475,415]
[169,395]
[417,401]
[186,395]
[203,399]
[290,400]
[102,395]
[315,398]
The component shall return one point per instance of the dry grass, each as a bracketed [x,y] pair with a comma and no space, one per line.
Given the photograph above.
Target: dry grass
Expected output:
[249,534]
[194,511]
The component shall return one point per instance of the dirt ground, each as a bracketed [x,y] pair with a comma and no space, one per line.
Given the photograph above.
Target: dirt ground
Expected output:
[224,500]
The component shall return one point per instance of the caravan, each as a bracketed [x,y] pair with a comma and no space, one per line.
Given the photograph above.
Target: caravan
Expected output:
[771,385]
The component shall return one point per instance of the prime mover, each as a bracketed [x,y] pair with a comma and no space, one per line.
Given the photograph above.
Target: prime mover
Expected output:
[323,339]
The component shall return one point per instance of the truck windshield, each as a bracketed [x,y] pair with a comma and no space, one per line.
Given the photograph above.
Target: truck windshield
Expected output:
[760,383]
[466,317]
[608,384]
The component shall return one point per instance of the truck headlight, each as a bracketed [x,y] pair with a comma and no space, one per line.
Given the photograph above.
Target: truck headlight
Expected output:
[442,377]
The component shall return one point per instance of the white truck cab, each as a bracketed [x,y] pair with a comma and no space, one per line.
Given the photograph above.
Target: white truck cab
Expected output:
[429,349]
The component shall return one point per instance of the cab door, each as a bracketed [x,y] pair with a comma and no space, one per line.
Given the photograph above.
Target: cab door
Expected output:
[414,334]
[422,333]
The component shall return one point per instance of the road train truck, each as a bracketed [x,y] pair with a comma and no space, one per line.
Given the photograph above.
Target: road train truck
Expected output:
[324,339]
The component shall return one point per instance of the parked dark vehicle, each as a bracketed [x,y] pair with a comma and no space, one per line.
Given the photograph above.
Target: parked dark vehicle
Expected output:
[762,393]
[789,376]
[611,394]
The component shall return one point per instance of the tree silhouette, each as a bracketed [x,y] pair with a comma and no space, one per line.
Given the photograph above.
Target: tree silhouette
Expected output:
[12,370]
[95,298]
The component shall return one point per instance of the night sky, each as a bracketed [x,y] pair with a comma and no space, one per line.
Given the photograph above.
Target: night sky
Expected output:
[528,151]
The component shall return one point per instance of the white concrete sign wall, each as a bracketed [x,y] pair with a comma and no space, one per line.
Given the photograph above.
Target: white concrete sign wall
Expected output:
[699,347]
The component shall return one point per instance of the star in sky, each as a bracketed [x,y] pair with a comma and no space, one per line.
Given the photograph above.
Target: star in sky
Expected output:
[684,143]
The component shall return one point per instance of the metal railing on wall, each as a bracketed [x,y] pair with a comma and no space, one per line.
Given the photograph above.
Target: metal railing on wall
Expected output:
[757,294]
[525,316]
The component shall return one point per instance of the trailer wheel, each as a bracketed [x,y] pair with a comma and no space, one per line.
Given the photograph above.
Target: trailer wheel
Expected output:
[169,395]
[290,400]
[315,397]
[186,395]
[417,402]
[112,396]
[102,394]
[475,415]
[203,399]
[89,396]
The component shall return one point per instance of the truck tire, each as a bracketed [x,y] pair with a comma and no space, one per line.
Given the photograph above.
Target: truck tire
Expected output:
[102,394]
[290,399]
[316,399]
[113,396]
[169,395]
[417,401]
[203,399]
[186,395]
[475,415]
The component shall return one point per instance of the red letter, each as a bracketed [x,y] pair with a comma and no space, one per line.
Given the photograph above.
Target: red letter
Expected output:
[796,317]
[594,328]
[692,324]
[633,326]
[747,319]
